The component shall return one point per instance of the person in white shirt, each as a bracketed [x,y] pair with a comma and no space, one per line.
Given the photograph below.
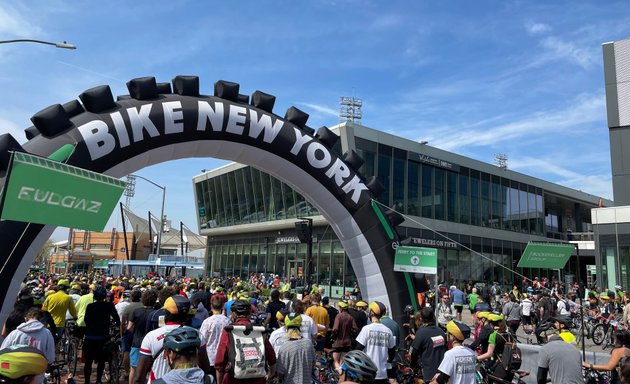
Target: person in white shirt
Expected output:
[378,341]
[211,329]
[279,336]
[561,307]
[460,363]
[444,312]
[526,310]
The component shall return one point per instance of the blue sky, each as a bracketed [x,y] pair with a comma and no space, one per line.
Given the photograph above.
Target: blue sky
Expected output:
[476,78]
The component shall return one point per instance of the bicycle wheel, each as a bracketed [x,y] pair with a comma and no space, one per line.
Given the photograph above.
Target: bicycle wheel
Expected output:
[599,333]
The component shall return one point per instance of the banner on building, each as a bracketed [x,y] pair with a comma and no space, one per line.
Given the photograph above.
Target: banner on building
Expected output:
[416,260]
[546,255]
[44,191]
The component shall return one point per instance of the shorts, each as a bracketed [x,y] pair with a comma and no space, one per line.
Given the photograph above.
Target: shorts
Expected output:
[459,308]
[133,357]
[126,341]
[527,320]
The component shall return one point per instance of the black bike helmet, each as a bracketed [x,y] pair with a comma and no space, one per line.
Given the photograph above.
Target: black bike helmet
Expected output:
[408,309]
[562,319]
[359,366]
[241,307]
[182,338]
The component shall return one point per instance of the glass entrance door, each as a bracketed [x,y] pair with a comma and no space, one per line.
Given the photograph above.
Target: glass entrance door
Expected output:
[295,269]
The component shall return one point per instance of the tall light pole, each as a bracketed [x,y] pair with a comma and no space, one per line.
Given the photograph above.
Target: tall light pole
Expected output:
[63,45]
[161,229]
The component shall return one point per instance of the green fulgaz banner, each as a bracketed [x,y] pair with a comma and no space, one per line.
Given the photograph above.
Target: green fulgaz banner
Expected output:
[44,191]
[546,255]
[416,260]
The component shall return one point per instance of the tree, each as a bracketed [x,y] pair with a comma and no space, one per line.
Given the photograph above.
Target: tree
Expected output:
[44,253]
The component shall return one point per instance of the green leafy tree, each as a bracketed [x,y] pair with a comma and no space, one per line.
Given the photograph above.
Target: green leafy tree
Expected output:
[44,253]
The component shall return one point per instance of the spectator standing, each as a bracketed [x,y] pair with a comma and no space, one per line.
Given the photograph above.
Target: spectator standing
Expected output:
[98,317]
[459,299]
[377,341]
[444,312]
[512,313]
[273,307]
[526,313]
[319,315]
[296,357]
[344,331]
[211,329]
[560,360]
[429,344]
[137,324]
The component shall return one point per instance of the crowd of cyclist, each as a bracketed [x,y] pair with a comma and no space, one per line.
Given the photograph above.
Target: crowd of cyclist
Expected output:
[228,331]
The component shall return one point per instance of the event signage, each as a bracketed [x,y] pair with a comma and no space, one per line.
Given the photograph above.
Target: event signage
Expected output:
[151,121]
[433,243]
[416,260]
[101,264]
[546,255]
[433,161]
[44,191]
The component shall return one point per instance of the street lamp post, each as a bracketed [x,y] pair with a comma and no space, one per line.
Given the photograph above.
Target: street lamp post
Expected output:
[63,45]
[161,229]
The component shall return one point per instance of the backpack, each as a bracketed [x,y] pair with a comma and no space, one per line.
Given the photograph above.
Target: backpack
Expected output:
[247,351]
[512,358]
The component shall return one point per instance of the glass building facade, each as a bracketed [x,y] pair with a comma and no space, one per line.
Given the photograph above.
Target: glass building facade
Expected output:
[481,216]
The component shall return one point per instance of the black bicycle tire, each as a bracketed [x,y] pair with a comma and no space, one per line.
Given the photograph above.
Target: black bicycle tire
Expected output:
[593,337]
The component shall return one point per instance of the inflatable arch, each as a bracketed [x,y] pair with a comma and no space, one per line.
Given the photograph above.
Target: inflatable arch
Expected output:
[157,123]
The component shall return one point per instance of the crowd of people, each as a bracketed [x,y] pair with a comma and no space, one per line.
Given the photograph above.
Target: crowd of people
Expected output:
[228,330]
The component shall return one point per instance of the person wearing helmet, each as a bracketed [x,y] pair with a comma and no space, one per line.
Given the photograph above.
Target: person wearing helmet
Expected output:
[278,337]
[483,332]
[357,367]
[33,332]
[98,317]
[459,363]
[181,346]
[561,323]
[496,345]
[58,304]
[241,310]
[296,358]
[344,331]
[22,364]
[377,341]
[563,362]
[151,359]
[429,344]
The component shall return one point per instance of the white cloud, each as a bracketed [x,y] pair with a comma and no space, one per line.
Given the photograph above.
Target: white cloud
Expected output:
[586,109]
[595,184]
[8,126]
[13,24]
[558,49]
[322,109]
[537,28]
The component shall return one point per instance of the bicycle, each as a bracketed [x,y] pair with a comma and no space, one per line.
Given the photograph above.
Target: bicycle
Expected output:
[405,374]
[484,376]
[113,357]
[53,373]
[67,346]
[325,372]
[592,376]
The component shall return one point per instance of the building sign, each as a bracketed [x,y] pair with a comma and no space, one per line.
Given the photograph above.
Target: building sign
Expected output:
[44,191]
[416,260]
[433,161]
[444,244]
[60,265]
[101,264]
[546,255]
[291,240]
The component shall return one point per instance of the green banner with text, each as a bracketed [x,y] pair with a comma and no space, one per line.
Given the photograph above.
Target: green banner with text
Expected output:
[416,260]
[546,255]
[44,191]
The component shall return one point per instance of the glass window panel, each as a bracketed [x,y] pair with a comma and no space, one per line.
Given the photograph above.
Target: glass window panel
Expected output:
[485,199]
[398,180]
[238,260]
[522,201]
[505,204]
[248,190]
[475,207]
[464,264]
[488,266]
[259,196]
[289,201]
[427,191]
[338,257]
[219,212]
[269,251]
[442,276]
[464,199]
[439,197]
[265,182]
[540,227]
[476,260]
[367,150]
[496,210]
[384,172]
[413,201]
[278,209]
[514,209]
[452,270]
[325,260]
[531,210]
[452,207]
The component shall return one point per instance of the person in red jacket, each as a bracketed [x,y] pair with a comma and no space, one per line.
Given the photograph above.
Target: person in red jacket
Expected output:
[241,309]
